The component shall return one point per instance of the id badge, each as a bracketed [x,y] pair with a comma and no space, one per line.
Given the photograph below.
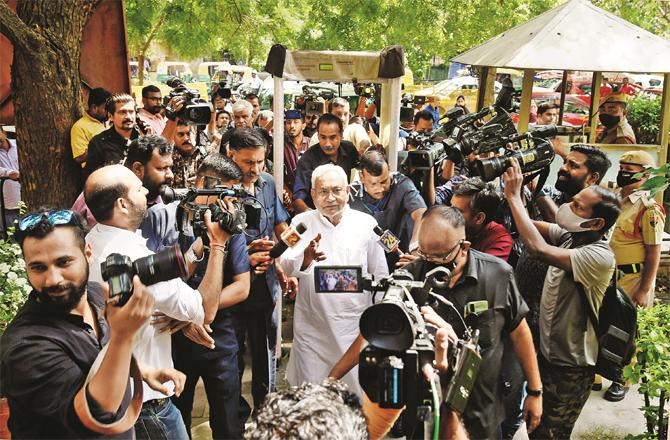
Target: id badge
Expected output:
[475,307]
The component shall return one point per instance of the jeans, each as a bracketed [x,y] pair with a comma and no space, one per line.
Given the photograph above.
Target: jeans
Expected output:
[160,419]
[222,386]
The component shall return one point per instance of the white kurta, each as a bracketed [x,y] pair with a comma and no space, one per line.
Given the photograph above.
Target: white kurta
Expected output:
[325,324]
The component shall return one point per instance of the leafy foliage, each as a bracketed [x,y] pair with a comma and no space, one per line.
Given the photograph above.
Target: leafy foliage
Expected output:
[645,115]
[14,287]
[652,369]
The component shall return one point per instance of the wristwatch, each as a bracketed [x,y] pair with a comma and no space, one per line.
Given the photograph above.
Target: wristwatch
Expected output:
[192,258]
[532,392]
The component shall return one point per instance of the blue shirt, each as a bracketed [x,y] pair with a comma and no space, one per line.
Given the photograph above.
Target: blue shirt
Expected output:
[274,214]
[436,114]
[160,229]
[393,211]
[223,328]
[347,158]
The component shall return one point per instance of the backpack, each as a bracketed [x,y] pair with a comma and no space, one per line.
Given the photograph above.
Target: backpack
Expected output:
[616,328]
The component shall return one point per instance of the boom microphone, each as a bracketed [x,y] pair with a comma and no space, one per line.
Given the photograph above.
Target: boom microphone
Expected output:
[388,241]
[288,238]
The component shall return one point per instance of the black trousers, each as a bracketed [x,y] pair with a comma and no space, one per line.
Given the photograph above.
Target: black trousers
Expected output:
[258,323]
[222,386]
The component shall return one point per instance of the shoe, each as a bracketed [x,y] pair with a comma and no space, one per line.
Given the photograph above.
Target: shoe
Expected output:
[597,386]
[616,392]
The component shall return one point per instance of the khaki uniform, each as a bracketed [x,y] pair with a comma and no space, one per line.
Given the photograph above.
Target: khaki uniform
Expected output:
[640,223]
[622,133]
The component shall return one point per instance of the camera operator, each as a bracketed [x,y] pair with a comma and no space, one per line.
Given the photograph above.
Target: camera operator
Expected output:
[493,307]
[424,180]
[330,149]
[217,364]
[185,159]
[325,324]
[54,339]
[576,253]
[257,315]
[117,199]
[391,198]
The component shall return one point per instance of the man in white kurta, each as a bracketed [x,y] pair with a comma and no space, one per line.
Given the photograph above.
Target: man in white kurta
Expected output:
[325,324]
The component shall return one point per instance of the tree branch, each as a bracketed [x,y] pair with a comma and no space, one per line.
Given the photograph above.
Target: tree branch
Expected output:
[16,31]
[154,31]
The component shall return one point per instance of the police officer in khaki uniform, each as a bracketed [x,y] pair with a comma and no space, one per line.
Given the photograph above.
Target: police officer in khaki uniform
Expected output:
[636,240]
[613,117]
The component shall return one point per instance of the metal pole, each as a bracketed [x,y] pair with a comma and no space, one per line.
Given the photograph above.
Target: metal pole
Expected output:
[595,105]
[526,96]
[560,109]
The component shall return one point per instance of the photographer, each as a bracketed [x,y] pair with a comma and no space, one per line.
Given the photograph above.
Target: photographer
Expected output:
[391,198]
[117,199]
[54,339]
[577,255]
[257,315]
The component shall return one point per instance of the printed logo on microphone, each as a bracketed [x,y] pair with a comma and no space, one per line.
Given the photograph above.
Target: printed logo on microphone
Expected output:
[389,241]
[290,237]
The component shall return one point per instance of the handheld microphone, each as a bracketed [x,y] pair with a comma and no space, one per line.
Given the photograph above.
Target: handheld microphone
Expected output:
[388,241]
[288,238]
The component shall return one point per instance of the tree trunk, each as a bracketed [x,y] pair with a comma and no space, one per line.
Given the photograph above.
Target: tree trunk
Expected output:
[140,69]
[46,88]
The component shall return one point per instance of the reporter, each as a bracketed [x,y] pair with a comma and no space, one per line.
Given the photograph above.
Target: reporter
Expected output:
[49,347]
[117,199]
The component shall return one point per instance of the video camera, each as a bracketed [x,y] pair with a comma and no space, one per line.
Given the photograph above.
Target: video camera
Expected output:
[401,344]
[220,89]
[431,148]
[309,101]
[118,270]
[532,149]
[195,110]
[191,215]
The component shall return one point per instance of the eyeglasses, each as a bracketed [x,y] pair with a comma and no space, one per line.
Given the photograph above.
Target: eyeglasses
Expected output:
[336,191]
[212,182]
[441,258]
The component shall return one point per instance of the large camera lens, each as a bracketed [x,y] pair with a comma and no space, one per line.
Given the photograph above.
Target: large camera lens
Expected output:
[387,326]
[165,265]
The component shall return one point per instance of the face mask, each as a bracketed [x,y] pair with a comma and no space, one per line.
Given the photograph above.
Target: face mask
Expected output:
[570,221]
[625,178]
[609,120]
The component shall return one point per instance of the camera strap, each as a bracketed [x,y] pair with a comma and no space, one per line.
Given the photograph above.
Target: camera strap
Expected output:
[542,178]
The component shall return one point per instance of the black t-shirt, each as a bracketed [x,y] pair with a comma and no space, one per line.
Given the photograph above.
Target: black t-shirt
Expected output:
[46,357]
[484,278]
[107,148]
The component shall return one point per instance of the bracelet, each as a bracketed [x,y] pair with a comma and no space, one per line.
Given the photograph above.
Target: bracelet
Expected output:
[532,392]
[192,257]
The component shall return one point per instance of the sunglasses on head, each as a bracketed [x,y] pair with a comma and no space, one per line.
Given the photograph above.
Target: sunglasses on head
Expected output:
[56,217]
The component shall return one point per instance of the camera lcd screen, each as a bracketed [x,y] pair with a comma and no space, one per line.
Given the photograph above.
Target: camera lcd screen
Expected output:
[329,279]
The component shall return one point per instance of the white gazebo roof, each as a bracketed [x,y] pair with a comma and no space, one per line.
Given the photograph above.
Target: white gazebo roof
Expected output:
[574,36]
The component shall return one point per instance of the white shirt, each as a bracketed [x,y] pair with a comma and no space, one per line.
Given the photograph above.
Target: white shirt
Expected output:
[173,298]
[325,324]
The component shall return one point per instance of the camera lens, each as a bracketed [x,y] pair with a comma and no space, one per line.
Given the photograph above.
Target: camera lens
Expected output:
[387,326]
[165,265]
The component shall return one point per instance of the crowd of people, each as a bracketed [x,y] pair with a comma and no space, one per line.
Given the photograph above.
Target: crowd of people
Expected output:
[527,265]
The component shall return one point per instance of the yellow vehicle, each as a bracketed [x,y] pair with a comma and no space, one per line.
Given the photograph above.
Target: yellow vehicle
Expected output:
[208,69]
[449,90]
[179,69]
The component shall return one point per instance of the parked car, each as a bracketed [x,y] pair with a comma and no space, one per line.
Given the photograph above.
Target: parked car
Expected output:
[448,90]
[575,110]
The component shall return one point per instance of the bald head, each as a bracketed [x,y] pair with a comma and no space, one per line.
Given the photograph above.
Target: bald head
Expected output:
[441,228]
[105,188]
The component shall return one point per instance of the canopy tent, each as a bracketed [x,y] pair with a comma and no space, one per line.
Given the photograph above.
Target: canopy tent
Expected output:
[575,35]
[385,67]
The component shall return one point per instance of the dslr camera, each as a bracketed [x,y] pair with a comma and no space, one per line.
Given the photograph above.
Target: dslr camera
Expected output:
[195,111]
[118,270]
[247,211]
[401,343]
